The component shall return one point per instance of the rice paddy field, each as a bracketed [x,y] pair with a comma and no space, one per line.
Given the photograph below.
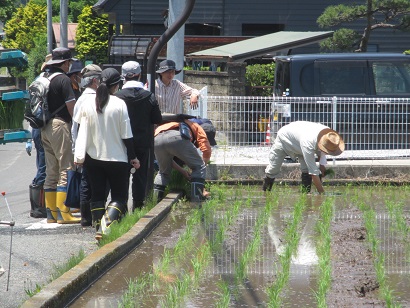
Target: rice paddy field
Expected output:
[246,248]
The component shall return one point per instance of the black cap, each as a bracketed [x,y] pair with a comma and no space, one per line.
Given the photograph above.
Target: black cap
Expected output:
[76,67]
[210,132]
[110,76]
[167,65]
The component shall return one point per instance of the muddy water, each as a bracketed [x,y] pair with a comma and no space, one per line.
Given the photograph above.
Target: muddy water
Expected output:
[262,270]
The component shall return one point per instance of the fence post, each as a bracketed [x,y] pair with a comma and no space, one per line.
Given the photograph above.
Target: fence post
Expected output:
[334,119]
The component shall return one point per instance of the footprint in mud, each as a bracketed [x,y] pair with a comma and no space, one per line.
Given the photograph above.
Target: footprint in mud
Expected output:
[366,285]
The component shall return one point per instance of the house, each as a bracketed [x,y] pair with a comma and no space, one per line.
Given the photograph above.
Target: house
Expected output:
[239,18]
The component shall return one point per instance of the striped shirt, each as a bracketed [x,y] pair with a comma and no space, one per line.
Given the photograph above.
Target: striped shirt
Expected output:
[170,97]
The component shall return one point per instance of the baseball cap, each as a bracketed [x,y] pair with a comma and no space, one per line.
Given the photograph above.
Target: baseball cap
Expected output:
[91,70]
[59,55]
[130,67]
[110,76]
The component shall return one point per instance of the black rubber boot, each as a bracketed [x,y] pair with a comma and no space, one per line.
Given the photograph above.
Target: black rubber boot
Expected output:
[137,204]
[197,189]
[85,209]
[159,192]
[115,211]
[267,183]
[37,201]
[306,183]
[97,213]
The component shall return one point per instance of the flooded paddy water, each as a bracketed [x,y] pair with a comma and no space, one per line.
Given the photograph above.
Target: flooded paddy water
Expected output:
[243,248]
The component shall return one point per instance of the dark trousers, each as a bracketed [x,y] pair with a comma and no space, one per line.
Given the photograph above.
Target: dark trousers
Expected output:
[116,173]
[85,188]
[140,177]
[40,158]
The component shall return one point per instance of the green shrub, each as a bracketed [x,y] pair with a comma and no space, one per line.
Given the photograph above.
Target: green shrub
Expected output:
[260,75]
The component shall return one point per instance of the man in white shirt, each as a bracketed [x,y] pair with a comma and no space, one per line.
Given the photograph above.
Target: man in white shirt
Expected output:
[303,140]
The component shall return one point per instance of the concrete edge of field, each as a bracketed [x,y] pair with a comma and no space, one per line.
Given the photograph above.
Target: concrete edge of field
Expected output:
[64,289]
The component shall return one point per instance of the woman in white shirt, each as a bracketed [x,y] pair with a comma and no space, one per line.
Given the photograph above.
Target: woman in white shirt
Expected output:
[109,148]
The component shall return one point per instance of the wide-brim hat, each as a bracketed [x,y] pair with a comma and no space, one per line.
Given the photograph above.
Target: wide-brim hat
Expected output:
[167,65]
[59,55]
[330,142]
[76,67]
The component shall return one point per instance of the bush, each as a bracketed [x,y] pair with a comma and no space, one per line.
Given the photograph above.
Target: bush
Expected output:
[260,75]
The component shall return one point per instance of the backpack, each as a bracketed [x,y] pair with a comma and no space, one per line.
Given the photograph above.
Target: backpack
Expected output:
[36,110]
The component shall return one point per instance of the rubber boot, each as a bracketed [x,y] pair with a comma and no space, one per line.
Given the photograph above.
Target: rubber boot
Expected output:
[306,183]
[64,214]
[51,205]
[85,210]
[37,201]
[97,213]
[197,189]
[115,211]
[267,183]
[137,204]
[159,192]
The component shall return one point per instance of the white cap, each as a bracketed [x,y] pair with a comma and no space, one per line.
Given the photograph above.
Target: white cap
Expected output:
[130,67]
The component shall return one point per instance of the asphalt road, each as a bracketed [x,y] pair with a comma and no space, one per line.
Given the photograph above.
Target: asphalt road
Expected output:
[36,246]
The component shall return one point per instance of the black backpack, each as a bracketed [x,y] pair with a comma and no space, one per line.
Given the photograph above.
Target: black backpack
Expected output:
[36,110]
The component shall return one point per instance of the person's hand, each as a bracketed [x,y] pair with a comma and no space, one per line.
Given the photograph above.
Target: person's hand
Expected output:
[186,174]
[135,163]
[194,101]
[29,147]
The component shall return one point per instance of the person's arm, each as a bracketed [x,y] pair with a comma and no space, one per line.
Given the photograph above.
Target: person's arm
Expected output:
[70,107]
[318,184]
[132,157]
[194,94]
[181,170]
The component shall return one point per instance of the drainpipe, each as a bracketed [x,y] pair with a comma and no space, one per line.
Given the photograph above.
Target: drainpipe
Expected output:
[152,60]
[189,5]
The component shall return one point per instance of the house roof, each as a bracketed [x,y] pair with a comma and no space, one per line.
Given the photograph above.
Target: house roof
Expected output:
[265,45]
[71,31]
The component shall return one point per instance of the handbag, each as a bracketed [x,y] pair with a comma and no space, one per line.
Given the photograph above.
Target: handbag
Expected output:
[73,188]
[81,141]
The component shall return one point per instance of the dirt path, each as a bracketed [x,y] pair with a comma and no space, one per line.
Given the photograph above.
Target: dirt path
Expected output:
[354,281]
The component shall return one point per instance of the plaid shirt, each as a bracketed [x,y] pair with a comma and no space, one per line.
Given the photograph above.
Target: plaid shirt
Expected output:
[169,97]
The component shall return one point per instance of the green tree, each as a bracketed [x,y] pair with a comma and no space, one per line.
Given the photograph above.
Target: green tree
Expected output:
[92,36]
[376,14]
[75,8]
[261,75]
[7,7]
[26,24]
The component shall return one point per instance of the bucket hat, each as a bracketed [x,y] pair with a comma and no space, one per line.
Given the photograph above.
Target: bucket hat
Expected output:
[76,67]
[330,142]
[167,65]
[59,55]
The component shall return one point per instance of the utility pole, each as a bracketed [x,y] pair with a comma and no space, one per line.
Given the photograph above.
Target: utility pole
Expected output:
[63,23]
[49,26]
[175,46]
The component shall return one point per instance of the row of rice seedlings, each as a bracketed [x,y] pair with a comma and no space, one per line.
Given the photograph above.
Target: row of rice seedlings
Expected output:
[178,291]
[247,256]
[370,222]
[150,281]
[292,237]
[323,251]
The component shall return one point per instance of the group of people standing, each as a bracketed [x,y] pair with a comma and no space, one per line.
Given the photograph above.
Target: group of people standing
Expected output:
[118,135]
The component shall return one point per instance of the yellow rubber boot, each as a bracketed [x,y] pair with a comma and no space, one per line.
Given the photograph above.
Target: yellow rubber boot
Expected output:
[64,214]
[50,197]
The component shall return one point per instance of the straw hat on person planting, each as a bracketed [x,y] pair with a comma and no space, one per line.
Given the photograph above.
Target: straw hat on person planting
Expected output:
[330,142]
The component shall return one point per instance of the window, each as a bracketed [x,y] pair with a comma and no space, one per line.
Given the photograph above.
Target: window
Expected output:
[391,78]
[261,29]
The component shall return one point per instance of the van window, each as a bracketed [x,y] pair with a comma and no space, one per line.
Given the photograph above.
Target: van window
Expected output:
[391,78]
[282,77]
[342,77]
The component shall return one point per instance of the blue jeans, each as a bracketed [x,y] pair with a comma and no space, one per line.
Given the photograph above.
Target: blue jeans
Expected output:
[40,158]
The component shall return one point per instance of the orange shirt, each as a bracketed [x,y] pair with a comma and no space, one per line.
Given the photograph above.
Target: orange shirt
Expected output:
[199,135]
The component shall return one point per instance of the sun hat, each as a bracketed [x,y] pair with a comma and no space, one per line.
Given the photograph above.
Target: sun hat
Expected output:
[91,70]
[330,142]
[130,68]
[59,55]
[48,58]
[110,76]
[76,67]
[167,65]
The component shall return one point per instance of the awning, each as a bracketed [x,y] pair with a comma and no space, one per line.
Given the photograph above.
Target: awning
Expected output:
[266,45]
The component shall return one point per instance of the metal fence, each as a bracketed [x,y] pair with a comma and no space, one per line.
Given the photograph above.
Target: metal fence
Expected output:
[370,127]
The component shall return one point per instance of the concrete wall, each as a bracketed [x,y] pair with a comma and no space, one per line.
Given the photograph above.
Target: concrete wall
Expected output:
[229,83]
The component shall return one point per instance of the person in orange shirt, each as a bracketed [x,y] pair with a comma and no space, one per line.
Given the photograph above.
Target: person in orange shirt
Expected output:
[170,141]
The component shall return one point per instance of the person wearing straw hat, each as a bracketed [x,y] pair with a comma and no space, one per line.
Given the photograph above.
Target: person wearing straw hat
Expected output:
[170,92]
[303,140]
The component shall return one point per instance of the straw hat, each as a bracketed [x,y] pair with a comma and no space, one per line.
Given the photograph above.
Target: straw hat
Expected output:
[48,58]
[330,142]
